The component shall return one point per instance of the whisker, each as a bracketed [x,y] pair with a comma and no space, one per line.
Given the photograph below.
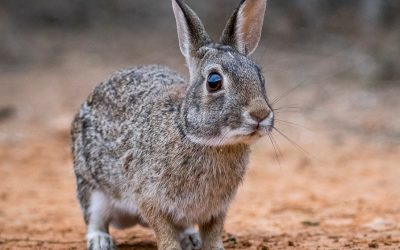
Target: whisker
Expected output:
[277,146]
[286,111]
[291,141]
[324,63]
[287,92]
[275,150]
[286,107]
[291,124]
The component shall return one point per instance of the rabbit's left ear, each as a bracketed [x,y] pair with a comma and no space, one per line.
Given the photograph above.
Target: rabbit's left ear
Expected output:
[191,32]
[243,30]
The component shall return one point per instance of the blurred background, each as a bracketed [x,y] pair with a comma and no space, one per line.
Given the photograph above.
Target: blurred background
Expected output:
[46,31]
[332,65]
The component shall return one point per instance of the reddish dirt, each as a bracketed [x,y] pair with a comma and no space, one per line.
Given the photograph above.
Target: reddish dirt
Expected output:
[344,194]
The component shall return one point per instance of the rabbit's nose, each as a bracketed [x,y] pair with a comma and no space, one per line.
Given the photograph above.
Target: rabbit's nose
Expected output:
[259,110]
[259,115]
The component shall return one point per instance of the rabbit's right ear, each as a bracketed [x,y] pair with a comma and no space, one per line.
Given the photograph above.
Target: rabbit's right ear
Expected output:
[243,30]
[191,32]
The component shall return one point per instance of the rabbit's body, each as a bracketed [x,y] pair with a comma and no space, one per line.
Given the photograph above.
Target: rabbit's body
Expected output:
[128,145]
[154,149]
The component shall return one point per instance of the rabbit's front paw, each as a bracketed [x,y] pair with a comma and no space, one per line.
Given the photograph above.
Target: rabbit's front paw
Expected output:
[100,241]
[190,240]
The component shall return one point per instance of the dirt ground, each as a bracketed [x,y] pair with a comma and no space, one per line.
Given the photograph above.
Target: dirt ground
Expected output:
[343,193]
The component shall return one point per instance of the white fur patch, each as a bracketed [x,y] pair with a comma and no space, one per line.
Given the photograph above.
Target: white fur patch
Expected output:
[128,206]
[267,121]
[99,211]
[102,209]
[228,136]
[96,234]
[189,230]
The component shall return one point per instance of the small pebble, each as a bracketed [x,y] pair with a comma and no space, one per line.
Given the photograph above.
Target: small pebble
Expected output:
[373,245]
[263,246]
[310,223]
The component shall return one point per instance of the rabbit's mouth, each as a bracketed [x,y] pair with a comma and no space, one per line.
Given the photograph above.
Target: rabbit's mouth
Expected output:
[259,129]
[251,137]
[256,132]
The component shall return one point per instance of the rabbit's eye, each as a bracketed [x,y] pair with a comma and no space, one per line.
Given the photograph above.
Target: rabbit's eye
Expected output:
[214,82]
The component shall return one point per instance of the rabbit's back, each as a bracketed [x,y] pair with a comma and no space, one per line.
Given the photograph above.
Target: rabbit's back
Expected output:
[119,113]
[127,91]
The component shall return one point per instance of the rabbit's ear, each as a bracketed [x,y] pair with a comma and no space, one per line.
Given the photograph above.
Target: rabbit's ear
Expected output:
[243,30]
[191,32]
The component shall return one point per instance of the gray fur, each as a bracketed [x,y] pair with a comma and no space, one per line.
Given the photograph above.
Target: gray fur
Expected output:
[154,149]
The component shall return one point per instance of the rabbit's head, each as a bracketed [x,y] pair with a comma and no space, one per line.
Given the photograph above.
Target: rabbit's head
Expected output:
[226,102]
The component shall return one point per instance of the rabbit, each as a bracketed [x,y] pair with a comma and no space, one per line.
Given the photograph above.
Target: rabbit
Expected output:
[154,149]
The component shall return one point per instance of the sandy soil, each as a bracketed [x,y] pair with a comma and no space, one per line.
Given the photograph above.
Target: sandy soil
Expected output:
[343,194]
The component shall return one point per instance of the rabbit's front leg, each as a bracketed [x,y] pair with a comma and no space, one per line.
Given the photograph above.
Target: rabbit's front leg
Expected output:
[211,233]
[167,234]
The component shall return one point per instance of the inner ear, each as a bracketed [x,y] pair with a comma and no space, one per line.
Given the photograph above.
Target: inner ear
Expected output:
[243,30]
